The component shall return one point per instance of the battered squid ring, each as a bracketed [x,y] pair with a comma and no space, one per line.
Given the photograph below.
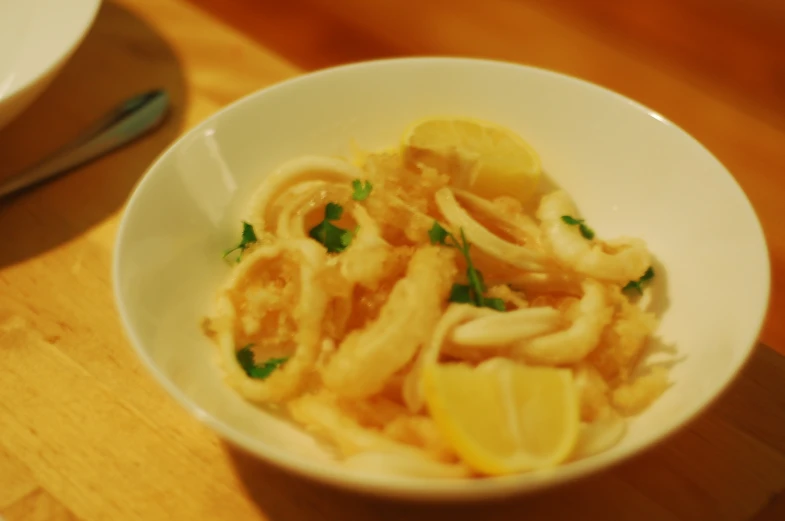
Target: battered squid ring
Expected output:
[504,251]
[500,329]
[629,261]
[287,381]
[294,172]
[301,199]
[364,361]
[365,262]
[571,345]
[413,394]
[517,225]
[546,282]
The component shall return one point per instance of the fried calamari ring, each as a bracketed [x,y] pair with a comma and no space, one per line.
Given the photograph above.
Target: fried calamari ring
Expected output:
[367,358]
[307,314]
[513,254]
[620,261]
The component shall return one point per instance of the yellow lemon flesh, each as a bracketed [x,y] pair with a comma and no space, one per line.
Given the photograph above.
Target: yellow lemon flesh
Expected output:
[487,159]
[502,417]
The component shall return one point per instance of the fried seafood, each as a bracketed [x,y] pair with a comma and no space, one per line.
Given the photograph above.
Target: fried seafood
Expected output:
[425,325]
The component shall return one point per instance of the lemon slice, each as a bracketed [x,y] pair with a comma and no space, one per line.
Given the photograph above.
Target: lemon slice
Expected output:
[503,417]
[482,157]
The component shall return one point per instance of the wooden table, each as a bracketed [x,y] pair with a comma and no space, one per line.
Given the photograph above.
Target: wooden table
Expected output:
[84,431]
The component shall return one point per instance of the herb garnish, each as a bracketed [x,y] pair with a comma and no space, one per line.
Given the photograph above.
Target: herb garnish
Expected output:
[587,232]
[637,285]
[362,189]
[248,238]
[333,238]
[261,371]
[471,293]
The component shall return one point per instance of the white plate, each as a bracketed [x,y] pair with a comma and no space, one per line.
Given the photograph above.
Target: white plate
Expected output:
[631,172]
[36,39]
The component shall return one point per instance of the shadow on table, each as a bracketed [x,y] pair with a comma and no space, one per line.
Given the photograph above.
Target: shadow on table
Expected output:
[729,464]
[120,57]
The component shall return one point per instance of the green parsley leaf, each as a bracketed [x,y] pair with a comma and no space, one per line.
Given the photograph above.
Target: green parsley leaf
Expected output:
[247,238]
[346,238]
[494,303]
[587,232]
[333,238]
[266,369]
[572,221]
[333,211]
[461,294]
[245,358]
[637,285]
[361,190]
[438,234]
[475,277]
[633,285]
[470,293]
[481,280]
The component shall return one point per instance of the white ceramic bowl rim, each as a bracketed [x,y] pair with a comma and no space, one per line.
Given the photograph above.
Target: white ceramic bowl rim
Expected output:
[51,52]
[405,487]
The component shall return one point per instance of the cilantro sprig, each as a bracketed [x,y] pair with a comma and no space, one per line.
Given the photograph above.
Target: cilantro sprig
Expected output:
[248,237]
[637,285]
[587,232]
[334,238]
[261,371]
[362,189]
[471,293]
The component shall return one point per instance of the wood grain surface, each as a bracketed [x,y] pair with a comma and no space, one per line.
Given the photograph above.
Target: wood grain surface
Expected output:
[86,434]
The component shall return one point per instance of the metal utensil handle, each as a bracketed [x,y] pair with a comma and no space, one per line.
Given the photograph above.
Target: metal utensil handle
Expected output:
[123,124]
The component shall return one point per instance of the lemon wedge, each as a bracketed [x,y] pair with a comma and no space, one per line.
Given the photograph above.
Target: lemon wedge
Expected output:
[482,157]
[502,417]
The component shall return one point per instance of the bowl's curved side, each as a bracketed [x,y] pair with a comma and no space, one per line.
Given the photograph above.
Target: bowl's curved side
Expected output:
[205,176]
[19,101]
[46,47]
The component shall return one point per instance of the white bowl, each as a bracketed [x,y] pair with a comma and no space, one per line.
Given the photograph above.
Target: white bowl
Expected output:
[36,39]
[631,171]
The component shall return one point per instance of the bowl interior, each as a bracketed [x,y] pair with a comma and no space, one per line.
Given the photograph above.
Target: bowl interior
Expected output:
[630,171]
